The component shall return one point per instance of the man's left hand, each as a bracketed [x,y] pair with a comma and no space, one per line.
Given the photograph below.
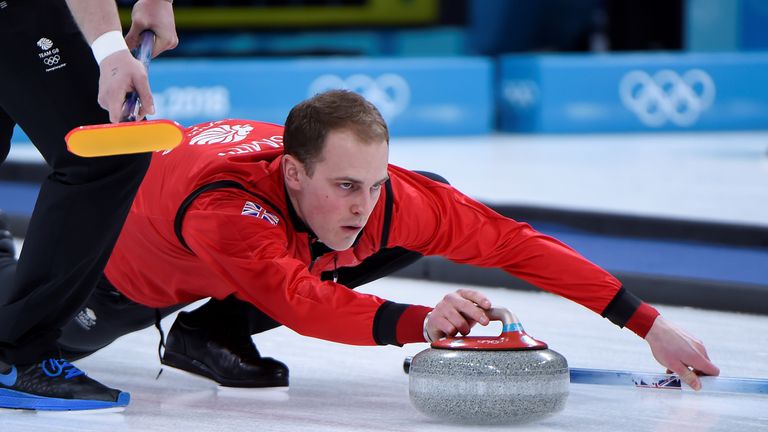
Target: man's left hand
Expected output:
[679,352]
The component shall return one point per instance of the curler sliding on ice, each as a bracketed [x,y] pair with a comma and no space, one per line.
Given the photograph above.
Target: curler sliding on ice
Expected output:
[279,225]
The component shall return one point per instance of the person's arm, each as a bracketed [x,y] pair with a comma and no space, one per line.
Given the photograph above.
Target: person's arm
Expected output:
[120,73]
[442,221]
[435,219]
[95,17]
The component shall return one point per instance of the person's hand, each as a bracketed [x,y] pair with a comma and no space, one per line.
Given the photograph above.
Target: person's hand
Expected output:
[155,15]
[121,74]
[457,312]
[679,352]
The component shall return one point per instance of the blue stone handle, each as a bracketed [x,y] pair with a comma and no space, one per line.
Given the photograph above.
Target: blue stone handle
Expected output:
[507,318]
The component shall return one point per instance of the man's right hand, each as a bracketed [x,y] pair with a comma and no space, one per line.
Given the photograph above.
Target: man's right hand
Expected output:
[121,74]
[456,313]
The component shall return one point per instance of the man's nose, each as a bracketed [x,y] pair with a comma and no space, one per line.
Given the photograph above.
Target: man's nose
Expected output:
[362,204]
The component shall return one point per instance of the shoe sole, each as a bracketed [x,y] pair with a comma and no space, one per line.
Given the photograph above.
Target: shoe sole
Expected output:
[19,400]
[198,368]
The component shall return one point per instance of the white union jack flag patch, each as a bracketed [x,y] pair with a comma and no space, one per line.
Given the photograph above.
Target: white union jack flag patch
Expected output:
[255,210]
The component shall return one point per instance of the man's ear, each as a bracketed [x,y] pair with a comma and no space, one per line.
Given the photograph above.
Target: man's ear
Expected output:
[292,170]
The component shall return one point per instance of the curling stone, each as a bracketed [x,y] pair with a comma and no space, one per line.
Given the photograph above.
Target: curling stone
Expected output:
[510,378]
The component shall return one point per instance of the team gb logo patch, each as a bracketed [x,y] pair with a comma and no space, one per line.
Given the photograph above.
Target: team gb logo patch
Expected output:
[255,210]
[222,134]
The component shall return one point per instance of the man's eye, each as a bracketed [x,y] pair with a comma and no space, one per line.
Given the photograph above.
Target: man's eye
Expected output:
[376,187]
[346,186]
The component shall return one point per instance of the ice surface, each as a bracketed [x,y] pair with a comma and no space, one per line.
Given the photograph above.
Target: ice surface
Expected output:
[712,176]
[337,387]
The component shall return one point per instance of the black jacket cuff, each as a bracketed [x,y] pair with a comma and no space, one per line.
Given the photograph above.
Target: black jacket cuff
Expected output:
[385,322]
[622,307]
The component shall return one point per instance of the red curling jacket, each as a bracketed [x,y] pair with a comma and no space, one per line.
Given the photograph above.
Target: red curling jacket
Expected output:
[212,219]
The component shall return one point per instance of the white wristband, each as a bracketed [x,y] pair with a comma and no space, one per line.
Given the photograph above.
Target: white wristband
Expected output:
[424,329]
[108,43]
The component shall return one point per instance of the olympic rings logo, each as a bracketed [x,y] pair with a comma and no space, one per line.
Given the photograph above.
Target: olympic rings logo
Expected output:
[52,60]
[389,92]
[521,94]
[667,96]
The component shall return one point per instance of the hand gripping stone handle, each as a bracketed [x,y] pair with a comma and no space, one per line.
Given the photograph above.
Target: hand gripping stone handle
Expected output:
[512,335]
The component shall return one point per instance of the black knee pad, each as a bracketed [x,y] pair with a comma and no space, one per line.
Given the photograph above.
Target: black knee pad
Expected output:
[106,316]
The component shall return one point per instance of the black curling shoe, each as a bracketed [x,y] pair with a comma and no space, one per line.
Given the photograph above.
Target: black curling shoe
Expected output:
[228,360]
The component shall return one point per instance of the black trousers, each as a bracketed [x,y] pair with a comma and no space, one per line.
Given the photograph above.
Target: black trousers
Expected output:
[49,85]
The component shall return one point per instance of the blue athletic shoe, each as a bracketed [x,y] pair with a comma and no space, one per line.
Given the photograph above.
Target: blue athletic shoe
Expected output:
[56,385]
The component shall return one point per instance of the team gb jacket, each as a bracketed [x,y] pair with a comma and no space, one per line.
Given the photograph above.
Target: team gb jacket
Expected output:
[212,219]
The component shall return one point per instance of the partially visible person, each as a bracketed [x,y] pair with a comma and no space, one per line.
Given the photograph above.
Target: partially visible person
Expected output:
[52,77]
[279,236]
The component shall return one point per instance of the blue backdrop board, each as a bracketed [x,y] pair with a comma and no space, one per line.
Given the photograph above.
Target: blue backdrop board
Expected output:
[702,16]
[633,92]
[753,35]
[417,97]
[450,96]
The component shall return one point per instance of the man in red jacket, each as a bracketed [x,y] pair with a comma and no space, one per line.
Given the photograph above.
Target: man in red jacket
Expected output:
[280,234]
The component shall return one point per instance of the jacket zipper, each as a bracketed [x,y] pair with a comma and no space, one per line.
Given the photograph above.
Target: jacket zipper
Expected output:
[312,257]
[313,260]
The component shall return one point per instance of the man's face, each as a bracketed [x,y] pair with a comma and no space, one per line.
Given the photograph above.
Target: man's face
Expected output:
[336,201]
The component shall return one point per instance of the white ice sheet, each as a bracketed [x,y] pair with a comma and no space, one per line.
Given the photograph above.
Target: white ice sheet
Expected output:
[713,176]
[336,387]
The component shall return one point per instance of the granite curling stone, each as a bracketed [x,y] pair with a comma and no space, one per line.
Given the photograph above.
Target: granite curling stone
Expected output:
[508,379]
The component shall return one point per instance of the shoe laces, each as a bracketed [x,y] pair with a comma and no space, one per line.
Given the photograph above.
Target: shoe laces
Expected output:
[161,345]
[55,367]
